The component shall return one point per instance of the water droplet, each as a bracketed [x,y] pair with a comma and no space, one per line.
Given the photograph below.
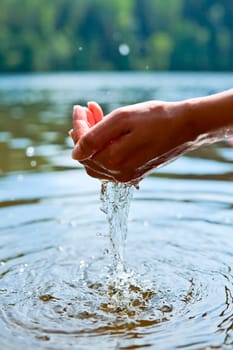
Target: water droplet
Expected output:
[46,297]
[82,264]
[42,337]
[30,151]
[166,308]
[80,48]
[124,49]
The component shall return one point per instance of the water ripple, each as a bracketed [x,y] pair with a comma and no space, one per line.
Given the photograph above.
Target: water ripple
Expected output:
[58,289]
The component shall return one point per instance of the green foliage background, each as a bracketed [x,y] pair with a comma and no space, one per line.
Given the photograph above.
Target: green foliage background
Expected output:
[61,35]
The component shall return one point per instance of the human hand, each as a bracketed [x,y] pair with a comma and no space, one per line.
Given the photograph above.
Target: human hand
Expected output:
[132,140]
[83,119]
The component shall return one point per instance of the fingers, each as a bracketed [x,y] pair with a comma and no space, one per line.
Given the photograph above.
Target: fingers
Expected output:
[123,175]
[97,175]
[90,117]
[80,124]
[96,171]
[96,111]
[81,128]
[95,167]
[79,113]
[105,146]
[101,135]
[103,174]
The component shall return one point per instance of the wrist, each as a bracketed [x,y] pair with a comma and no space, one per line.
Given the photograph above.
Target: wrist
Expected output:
[191,119]
[184,123]
[210,115]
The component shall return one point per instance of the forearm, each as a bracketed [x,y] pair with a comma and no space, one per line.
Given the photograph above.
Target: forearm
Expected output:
[210,116]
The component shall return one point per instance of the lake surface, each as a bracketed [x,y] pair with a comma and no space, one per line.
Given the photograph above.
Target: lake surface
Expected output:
[58,289]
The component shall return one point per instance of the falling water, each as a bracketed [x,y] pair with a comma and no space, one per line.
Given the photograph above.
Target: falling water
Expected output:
[127,293]
[115,199]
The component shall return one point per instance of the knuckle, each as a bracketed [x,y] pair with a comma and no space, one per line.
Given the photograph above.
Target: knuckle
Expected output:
[124,116]
[121,115]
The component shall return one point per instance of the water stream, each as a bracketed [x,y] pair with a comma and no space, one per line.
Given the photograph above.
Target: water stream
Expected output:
[116,199]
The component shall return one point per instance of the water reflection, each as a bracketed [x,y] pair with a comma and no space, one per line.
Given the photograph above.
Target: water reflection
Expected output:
[56,284]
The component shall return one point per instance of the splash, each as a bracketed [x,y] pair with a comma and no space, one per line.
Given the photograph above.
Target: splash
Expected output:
[127,295]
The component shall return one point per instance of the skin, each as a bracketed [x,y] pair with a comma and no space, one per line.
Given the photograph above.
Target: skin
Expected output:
[129,142]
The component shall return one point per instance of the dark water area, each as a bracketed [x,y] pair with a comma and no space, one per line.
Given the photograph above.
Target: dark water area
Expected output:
[58,289]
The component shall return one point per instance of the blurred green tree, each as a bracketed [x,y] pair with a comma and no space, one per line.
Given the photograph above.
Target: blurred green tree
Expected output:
[42,35]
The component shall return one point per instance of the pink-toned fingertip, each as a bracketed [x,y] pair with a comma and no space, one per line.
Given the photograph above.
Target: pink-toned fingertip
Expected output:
[96,110]
[75,107]
[79,113]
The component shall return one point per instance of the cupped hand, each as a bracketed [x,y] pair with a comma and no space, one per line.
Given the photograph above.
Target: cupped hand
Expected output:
[131,141]
[84,118]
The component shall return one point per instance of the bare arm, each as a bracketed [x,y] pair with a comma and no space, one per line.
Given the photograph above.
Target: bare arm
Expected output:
[132,140]
[211,115]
